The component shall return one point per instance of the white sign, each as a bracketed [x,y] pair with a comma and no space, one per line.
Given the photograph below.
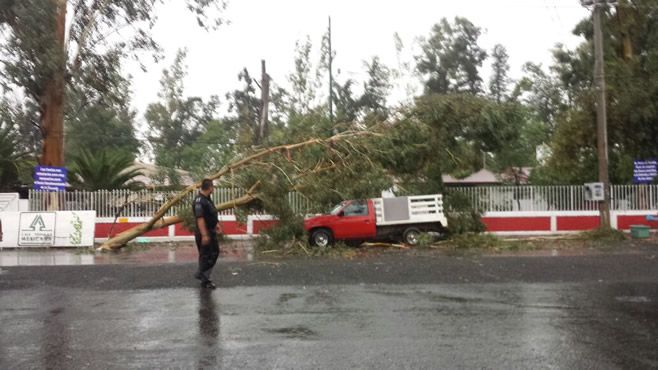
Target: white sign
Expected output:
[594,191]
[75,229]
[47,229]
[9,229]
[36,229]
[9,202]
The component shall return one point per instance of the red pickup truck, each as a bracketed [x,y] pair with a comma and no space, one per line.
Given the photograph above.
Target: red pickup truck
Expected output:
[400,218]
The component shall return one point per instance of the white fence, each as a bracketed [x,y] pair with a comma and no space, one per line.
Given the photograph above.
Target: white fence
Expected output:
[128,203]
[557,198]
[144,203]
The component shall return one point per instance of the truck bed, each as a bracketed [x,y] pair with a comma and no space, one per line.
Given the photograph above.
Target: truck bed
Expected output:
[409,210]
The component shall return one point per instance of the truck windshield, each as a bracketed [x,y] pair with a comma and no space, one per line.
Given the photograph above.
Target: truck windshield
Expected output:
[334,211]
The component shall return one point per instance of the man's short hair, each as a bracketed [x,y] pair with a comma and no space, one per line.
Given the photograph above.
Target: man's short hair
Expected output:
[206,184]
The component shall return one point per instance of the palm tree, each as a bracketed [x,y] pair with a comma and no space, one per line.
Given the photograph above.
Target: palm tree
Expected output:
[13,161]
[104,171]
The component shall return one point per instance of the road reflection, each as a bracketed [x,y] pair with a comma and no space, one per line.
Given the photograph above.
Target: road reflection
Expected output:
[232,251]
[209,324]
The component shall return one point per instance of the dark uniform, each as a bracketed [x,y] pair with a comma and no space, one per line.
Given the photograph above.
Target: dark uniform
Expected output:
[204,207]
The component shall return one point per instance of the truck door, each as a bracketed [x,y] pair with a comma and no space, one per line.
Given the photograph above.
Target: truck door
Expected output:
[355,221]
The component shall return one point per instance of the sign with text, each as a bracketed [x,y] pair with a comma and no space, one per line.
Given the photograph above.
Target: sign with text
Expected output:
[644,172]
[50,178]
[36,229]
[47,229]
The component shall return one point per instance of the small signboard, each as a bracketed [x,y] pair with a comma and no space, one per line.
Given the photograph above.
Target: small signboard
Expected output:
[36,229]
[644,172]
[594,191]
[50,178]
[47,229]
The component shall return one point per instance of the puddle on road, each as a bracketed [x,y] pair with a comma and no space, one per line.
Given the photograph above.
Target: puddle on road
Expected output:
[297,332]
[633,299]
[232,251]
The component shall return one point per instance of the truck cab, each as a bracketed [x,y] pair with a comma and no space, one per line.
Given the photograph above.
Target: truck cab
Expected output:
[349,220]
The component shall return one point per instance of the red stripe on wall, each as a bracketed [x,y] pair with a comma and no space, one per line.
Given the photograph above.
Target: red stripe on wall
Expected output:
[517,223]
[577,223]
[180,230]
[263,225]
[103,230]
[625,222]
[227,227]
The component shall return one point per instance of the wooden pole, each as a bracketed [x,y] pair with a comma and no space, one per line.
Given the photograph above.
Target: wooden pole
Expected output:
[601,119]
[264,107]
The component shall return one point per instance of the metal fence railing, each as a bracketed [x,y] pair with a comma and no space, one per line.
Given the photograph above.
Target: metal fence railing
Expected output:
[141,203]
[144,203]
[556,198]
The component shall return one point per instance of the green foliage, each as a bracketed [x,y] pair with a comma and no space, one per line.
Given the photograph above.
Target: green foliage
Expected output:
[99,35]
[468,241]
[451,58]
[100,128]
[13,161]
[184,133]
[448,134]
[603,234]
[303,91]
[498,84]
[103,171]
[462,217]
[631,67]
[375,90]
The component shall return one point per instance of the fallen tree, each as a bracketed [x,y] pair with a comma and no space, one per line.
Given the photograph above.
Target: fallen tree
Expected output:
[338,151]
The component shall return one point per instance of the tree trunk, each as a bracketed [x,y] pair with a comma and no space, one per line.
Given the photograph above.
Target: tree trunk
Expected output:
[52,101]
[122,238]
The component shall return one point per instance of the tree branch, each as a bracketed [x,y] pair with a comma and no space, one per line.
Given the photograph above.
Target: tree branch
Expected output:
[121,239]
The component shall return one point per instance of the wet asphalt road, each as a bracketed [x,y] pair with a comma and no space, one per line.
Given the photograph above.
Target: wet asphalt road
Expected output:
[387,312]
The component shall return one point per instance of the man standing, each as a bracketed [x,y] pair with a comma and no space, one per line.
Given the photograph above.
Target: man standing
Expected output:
[205,235]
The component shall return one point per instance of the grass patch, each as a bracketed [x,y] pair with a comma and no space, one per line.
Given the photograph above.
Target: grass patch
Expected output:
[425,240]
[301,248]
[603,234]
[473,243]
[84,251]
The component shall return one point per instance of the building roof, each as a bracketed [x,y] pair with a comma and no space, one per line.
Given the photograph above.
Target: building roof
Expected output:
[152,173]
[483,176]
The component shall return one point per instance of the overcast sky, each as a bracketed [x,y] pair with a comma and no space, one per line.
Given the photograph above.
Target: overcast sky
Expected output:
[267,29]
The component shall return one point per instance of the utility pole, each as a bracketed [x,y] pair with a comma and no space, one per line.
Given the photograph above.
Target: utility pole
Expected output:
[601,119]
[264,105]
[331,77]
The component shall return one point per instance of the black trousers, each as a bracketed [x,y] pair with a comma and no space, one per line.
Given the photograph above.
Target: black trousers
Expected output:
[208,255]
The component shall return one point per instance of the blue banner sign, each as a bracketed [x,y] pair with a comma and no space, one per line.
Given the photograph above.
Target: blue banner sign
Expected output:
[50,178]
[644,172]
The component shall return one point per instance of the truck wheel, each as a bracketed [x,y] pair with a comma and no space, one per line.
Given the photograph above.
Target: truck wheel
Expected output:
[321,238]
[411,236]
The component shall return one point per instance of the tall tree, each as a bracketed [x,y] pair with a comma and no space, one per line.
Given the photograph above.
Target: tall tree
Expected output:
[631,65]
[50,43]
[499,81]
[303,90]
[177,122]
[376,90]
[451,58]
[104,123]
[13,160]
[543,93]
[245,105]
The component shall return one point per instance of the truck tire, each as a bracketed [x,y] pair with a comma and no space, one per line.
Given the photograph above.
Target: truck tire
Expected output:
[321,238]
[411,235]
